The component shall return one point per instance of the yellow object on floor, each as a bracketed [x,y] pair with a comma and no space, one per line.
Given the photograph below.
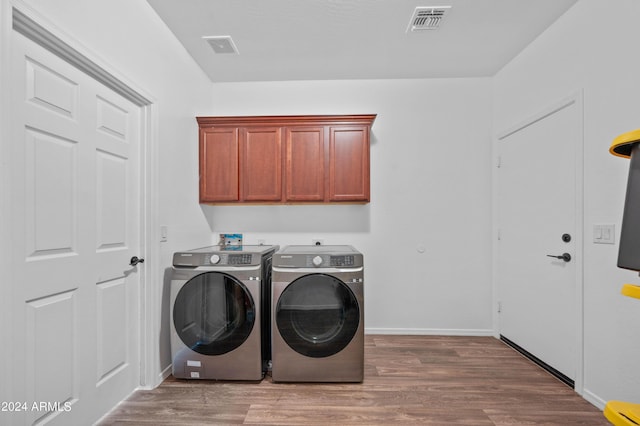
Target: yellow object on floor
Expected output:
[631,290]
[622,413]
[623,144]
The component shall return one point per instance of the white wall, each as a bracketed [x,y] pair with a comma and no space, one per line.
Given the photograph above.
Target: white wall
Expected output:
[430,190]
[130,40]
[584,52]
[430,170]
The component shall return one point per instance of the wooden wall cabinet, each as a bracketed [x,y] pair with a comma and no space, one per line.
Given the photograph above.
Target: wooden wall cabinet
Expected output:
[285,159]
[260,170]
[219,155]
[304,164]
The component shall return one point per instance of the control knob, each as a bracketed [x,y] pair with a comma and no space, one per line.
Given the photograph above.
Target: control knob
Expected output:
[214,259]
[317,261]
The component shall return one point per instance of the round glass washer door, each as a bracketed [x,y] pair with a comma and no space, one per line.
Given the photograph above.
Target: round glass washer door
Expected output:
[317,315]
[213,313]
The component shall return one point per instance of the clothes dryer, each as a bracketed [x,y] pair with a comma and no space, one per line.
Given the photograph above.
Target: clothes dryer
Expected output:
[318,314]
[220,312]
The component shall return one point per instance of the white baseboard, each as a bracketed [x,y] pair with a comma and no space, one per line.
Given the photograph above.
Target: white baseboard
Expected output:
[166,372]
[594,399]
[430,331]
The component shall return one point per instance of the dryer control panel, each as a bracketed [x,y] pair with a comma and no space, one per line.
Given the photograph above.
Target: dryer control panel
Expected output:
[207,259]
[318,257]
[324,261]
[342,261]
[222,256]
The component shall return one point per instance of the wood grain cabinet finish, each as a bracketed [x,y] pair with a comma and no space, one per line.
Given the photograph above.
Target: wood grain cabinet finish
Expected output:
[219,154]
[305,164]
[285,159]
[260,172]
[349,164]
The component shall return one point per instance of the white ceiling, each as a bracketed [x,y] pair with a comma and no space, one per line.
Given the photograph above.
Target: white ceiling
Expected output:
[282,40]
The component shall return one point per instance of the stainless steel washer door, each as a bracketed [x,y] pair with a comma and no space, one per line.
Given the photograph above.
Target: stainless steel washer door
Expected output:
[213,313]
[317,315]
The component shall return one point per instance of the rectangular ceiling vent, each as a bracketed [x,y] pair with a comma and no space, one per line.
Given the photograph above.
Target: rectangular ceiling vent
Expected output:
[221,44]
[427,18]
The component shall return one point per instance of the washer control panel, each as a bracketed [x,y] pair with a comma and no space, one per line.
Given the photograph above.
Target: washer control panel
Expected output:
[319,261]
[318,257]
[342,261]
[246,255]
[329,261]
[239,259]
[218,259]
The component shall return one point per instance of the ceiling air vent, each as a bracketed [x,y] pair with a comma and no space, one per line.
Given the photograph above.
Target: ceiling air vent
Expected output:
[427,18]
[221,44]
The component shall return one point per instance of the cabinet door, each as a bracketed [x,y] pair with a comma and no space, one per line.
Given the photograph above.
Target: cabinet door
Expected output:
[305,171]
[219,164]
[349,163]
[261,164]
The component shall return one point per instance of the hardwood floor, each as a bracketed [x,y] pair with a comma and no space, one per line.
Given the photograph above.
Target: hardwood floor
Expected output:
[427,380]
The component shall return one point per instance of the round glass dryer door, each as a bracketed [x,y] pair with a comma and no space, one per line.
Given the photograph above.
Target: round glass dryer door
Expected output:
[213,313]
[317,315]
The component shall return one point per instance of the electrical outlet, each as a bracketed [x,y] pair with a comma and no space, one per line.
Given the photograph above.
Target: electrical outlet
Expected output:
[317,242]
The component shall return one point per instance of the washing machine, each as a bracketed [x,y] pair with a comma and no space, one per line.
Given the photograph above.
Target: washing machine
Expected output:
[220,312]
[317,318]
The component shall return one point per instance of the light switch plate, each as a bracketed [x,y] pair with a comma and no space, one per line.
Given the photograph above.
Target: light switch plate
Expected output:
[604,234]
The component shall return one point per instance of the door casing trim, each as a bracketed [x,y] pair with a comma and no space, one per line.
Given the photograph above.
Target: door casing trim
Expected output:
[576,98]
[38,29]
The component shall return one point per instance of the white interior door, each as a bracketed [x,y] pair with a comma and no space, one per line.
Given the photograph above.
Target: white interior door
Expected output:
[76,224]
[538,202]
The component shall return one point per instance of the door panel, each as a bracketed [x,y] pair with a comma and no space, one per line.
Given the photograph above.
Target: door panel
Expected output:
[112,320]
[49,329]
[76,218]
[219,162]
[50,185]
[304,169]
[349,163]
[261,164]
[537,203]
[317,315]
[214,313]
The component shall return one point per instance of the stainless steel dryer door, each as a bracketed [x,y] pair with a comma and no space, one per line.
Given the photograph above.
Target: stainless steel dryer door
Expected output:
[317,315]
[213,313]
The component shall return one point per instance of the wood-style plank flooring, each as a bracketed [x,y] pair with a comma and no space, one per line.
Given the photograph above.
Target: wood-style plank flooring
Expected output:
[426,380]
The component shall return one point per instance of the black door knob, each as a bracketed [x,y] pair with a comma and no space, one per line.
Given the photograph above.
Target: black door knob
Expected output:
[564,256]
[135,260]
[566,238]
